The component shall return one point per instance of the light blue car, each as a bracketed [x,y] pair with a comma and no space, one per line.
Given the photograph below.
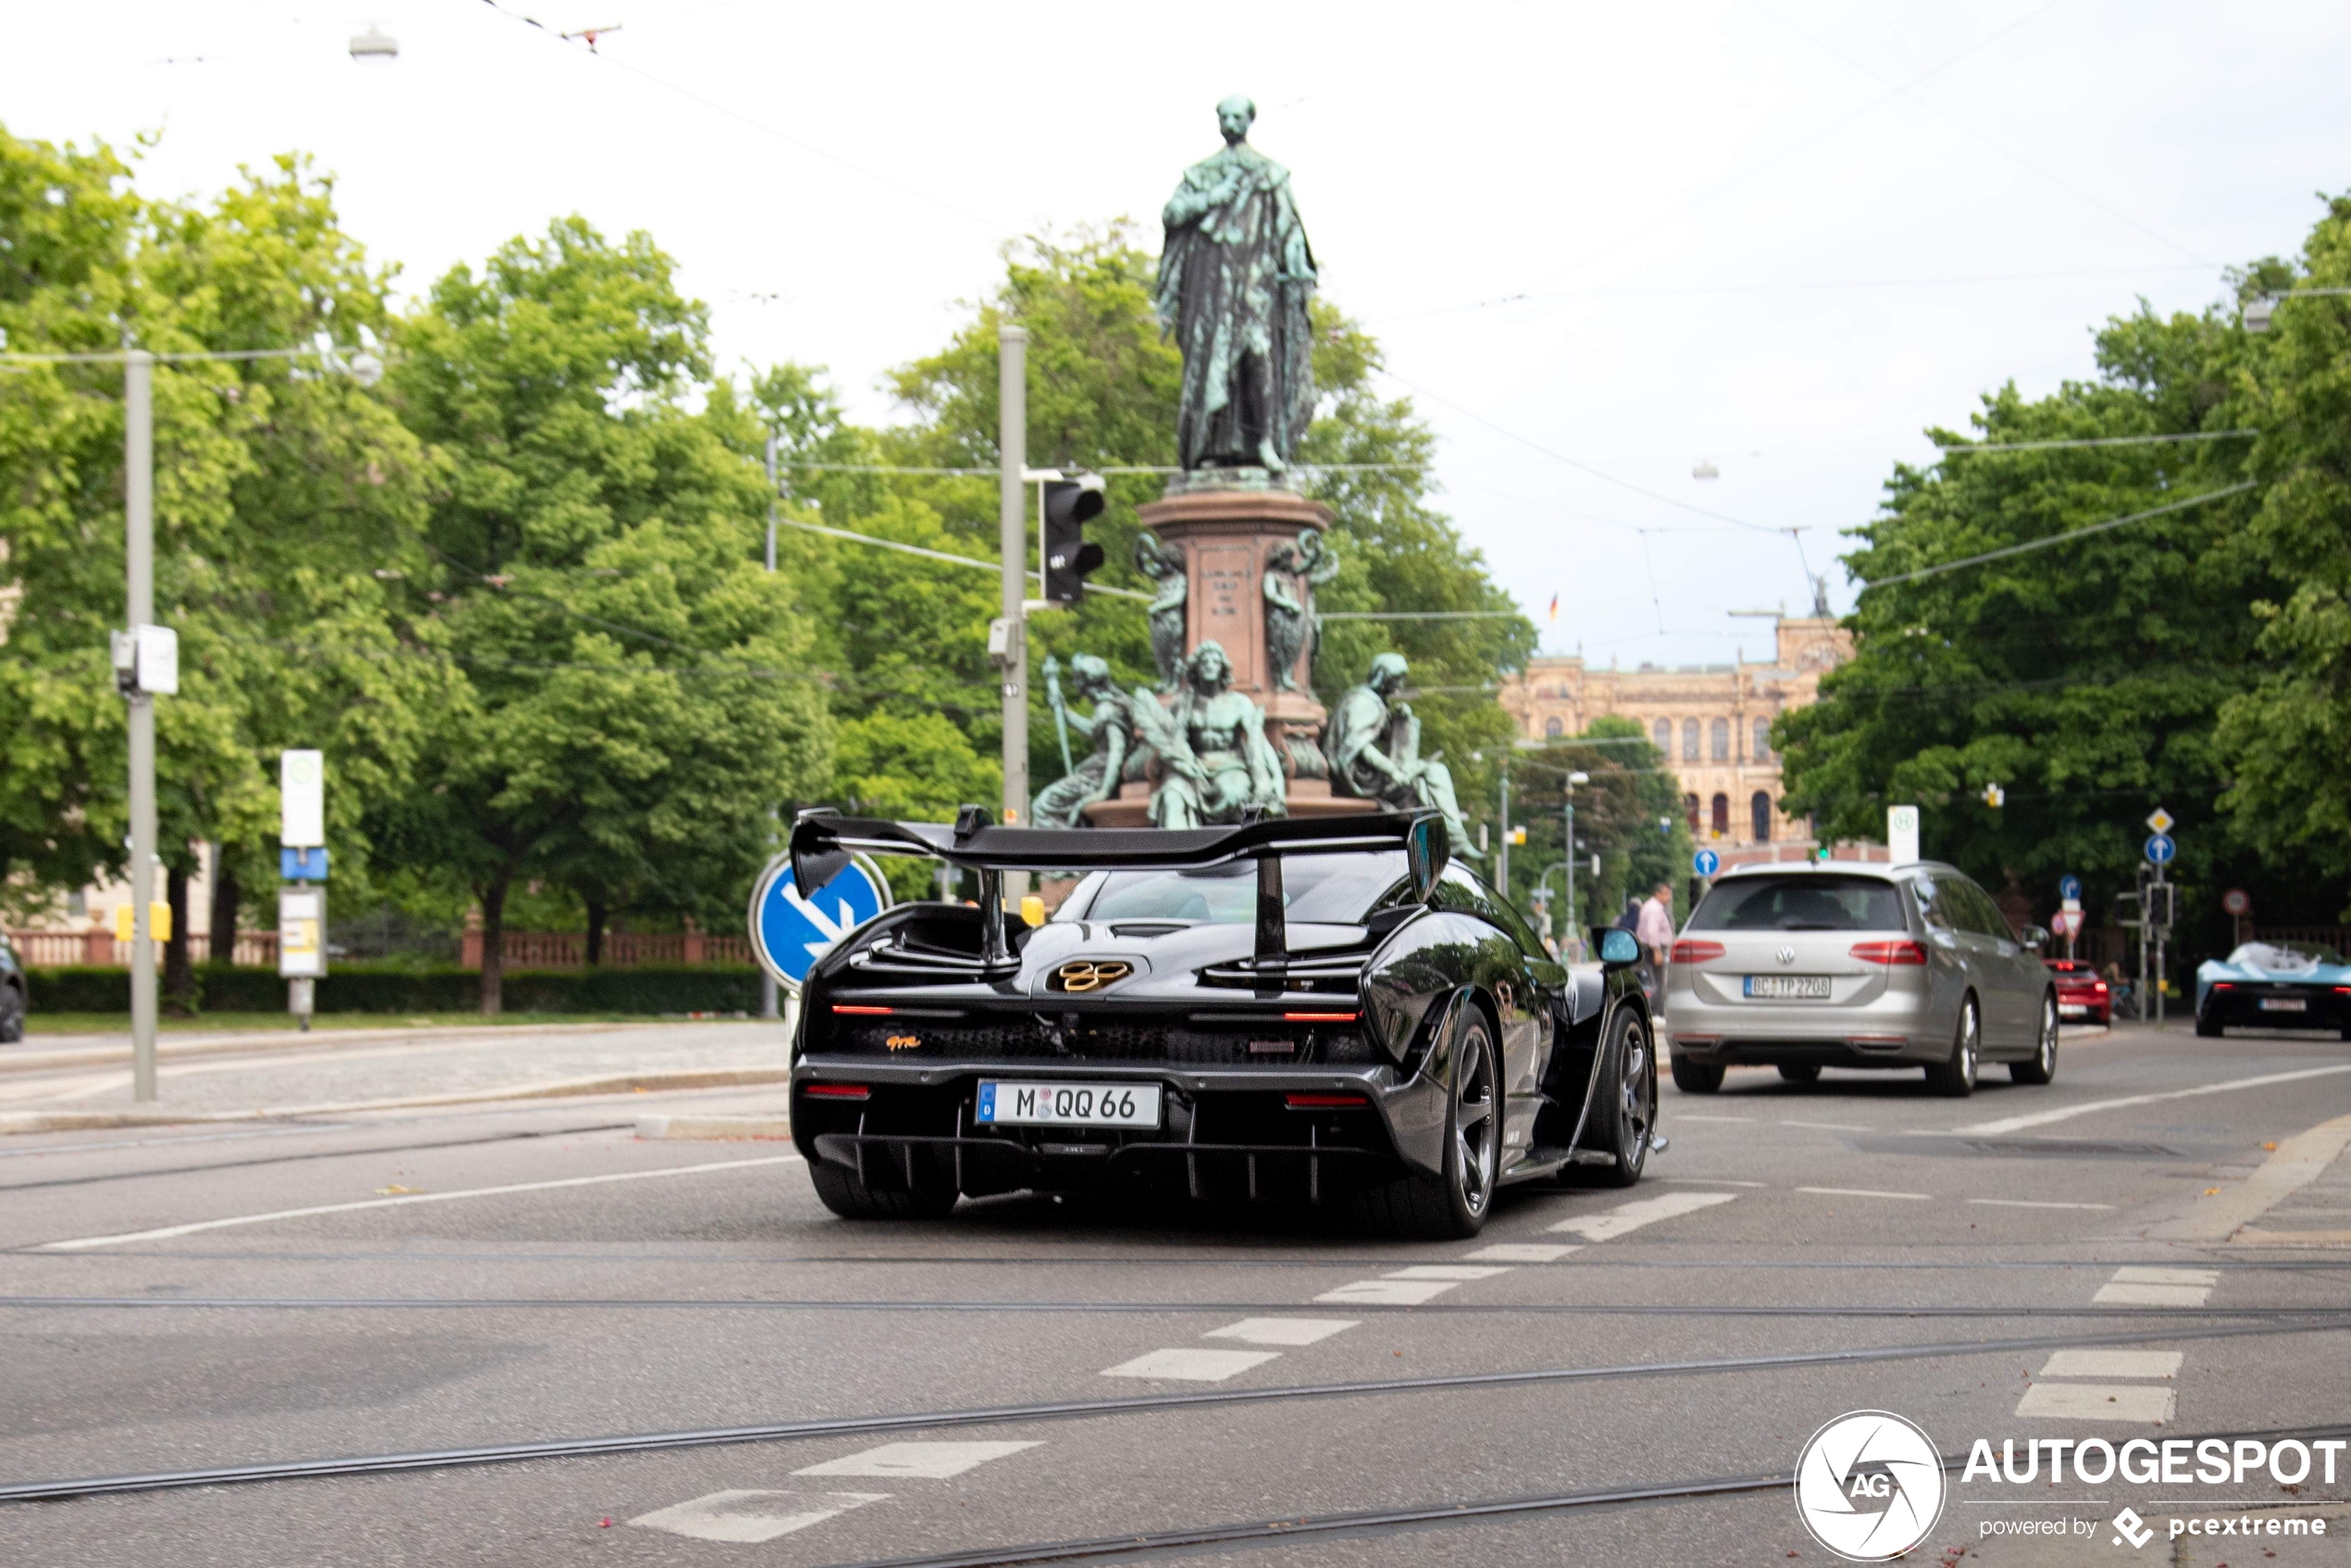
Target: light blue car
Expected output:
[2274,986]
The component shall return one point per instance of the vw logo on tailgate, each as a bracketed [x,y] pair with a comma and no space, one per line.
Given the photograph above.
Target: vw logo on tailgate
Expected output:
[1090,974]
[1787,955]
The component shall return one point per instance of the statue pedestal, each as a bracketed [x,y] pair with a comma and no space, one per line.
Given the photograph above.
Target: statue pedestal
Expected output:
[1226,537]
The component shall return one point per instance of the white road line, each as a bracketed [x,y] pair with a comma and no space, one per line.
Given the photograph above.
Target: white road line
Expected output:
[1523,1252]
[2029,1203]
[1282,1330]
[928,1462]
[2043,1118]
[1829,1126]
[2136,1402]
[1646,1211]
[732,1516]
[2157,1287]
[1191,1365]
[1446,1271]
[166,1232]
[2112,1364]
[1712,1181]
[1686,1117]
[1389,1292]
[1866,1192]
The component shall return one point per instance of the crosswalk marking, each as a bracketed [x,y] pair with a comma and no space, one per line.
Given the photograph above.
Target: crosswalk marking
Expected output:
[1523,1252]
[1445,1271]
[1631,1217]
[747,1517]
[1866,1192]
[1389,1292]
[2113,1364]
[2140,1403]
[1282,1330]
[1191,1365]
[2157,1287]
[929,1461]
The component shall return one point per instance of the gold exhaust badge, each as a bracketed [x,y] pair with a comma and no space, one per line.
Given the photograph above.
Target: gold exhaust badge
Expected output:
[1082,975]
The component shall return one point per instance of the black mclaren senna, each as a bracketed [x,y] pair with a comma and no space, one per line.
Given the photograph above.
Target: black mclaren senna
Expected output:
[1319,1011]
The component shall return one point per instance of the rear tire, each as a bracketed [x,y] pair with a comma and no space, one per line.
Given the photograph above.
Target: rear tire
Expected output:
[1800,1072]
[2042,1067]
[840,1191]
[2209,1028]
[1451,1205]
[1695,1077]
[11,1015]
[1954,1077]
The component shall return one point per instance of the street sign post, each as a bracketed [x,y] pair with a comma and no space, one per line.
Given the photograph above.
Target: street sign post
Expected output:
[2160,850]
[1705,862]
[2161,820]
[789,931]
[2070,889]
[2239,904]
[1902,834]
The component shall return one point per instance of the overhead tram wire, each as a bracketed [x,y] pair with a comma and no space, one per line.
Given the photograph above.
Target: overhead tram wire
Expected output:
[2067,537]
[2000,446]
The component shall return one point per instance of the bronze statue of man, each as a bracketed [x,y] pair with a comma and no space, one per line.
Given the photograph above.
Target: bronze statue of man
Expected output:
[1235,277]
[1374,744]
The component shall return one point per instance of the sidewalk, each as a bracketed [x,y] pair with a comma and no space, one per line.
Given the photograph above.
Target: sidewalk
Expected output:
[382,1068]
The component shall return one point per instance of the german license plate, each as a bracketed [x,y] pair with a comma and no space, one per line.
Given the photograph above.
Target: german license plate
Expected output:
[2284,1004]
[1794,987]
[1069,1105]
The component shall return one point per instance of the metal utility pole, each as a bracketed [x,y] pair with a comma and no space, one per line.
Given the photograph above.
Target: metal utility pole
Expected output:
[1568,852]
[1012,444]
[139,509]
[767,1007]
[1502,848]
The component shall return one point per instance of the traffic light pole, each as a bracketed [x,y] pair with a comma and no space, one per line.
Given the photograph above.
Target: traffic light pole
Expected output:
[1568,854]
[1012,448]
[1502,848]
[138,558]
[767,998]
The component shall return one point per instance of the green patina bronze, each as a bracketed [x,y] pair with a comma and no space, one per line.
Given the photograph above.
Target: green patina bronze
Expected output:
[1235,277]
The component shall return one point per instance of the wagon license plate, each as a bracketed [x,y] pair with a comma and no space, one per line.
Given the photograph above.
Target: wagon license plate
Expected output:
[1069,1105]
[2284,1004]
[1794,987]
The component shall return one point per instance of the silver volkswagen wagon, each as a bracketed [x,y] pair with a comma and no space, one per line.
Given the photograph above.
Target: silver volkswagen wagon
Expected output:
[1852,965]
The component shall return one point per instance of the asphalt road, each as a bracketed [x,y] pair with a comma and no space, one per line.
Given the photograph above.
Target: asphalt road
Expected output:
[1269,1388]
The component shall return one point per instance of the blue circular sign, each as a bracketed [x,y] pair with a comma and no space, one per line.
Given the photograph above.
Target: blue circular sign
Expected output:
[790,932]
[2069,887]
[2160,850]
[1705,862]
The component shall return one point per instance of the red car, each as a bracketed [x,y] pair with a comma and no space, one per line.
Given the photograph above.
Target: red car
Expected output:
[2082,996]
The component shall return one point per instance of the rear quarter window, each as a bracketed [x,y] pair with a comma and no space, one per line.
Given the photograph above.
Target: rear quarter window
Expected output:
[1800,904]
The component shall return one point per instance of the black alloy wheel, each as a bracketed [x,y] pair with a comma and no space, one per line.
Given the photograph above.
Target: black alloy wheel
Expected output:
[1954,1077]
[11,1015]
[1630,1107]
[1453,1204]
[2042,1067]
[840,1189]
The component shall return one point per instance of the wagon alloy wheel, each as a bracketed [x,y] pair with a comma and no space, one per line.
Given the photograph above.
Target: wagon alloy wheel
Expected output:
[1955,1077]
[2043,1066]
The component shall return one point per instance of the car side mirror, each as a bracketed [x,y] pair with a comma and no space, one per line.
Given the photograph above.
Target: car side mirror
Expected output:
[1618,949]
[1426,849]
[2034,936]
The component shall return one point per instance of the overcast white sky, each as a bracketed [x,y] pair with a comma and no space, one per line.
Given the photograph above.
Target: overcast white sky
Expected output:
[1784,239]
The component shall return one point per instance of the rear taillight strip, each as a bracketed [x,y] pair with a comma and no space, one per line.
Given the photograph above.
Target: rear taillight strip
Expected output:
[1891,953]
[1687,952]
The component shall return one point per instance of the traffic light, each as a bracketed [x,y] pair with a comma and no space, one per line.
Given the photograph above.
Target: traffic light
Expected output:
[1069,555]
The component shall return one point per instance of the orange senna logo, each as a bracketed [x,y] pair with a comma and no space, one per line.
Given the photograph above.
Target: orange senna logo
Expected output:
[904,1042]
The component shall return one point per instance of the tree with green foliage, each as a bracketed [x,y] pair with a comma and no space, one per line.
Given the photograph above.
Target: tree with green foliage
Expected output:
[2288,737]
[282,488]
[2083,677]
[636,700]
[1629,813]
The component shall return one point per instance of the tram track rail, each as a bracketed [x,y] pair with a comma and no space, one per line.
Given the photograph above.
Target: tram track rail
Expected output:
[1274,1532]
[1149,1404]
[1431,1309]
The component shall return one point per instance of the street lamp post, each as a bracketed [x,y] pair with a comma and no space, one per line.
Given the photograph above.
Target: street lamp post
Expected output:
[1567,847]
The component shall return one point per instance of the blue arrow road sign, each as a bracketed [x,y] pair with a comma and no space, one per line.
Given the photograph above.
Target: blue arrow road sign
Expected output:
[2160,850]
[1706,862]
[2069,887]
[789,932]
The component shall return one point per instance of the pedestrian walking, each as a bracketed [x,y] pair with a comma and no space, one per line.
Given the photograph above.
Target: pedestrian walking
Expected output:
[1654,930]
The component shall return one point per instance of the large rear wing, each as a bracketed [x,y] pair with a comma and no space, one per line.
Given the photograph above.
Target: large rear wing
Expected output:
[823,843]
